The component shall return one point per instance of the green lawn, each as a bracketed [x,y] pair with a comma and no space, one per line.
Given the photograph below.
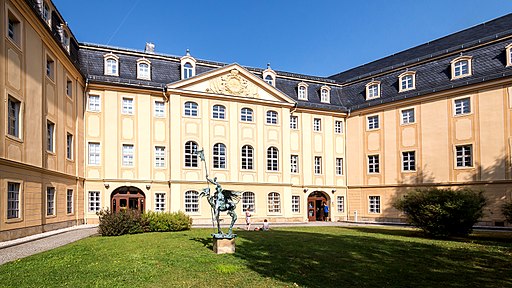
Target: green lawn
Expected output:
[284,257]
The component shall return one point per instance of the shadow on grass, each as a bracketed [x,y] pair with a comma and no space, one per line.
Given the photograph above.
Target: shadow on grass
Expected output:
[353,259]
[207,242]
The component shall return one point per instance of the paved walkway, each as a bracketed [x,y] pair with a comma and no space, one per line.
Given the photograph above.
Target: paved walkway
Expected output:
[26,246]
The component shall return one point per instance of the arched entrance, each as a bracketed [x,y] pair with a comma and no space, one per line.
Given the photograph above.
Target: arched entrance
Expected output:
[315,207]
[127,197]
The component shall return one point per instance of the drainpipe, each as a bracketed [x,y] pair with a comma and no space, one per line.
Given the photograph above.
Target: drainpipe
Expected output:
[346,170]
[85,149]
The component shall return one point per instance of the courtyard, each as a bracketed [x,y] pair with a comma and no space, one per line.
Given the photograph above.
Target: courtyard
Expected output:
[359,256]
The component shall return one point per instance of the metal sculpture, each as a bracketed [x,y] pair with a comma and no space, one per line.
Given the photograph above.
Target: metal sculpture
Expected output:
[222,200]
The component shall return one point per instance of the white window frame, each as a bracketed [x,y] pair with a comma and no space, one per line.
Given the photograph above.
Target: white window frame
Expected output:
[294,122]
[69,146]
[409,161]
[111,65]
[247,157]
[219,112]
[128,106]
[246,114]
[272,159]
[317,124]
[325,94]
[318,165]
[295,204]
[128,153]
[373,164]
[508,53]
[14,28]
[269,79]
[188,70]
[14,117]
[94,103]
[340,204]
[339,166]
[160,202]
[373,90]
[374,204]
[50,68]
[408,116]
[294,163]
[50,201]
[94,201]
[272,117]
[462,106]
[274,202]
[159,109]
[373,122]
[190,109]
[143,69]
[69,201]
[159,156]
[220,156]
[191,201]
[94,153]
[46,13]
[457,67]
[407,81]
[338,127]
[249,201]
[50,136]
[464,156]
[302,91]
[13,200]
[190,154]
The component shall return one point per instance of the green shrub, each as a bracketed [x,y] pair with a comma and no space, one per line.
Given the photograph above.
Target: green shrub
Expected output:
[132,222]
[506,209]
[442,212]
[166,222]
[120,223]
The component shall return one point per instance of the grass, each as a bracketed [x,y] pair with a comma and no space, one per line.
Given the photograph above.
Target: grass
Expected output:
[284,257]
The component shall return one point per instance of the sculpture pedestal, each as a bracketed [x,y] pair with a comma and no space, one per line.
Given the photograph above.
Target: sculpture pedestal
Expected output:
[223,245]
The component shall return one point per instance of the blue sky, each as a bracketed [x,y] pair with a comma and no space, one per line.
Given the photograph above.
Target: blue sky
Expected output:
[318,38]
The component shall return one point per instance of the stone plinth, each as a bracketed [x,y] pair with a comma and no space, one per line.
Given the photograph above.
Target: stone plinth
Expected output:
[223,246]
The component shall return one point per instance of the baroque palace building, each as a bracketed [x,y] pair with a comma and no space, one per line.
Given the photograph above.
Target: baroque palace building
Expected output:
[88,126]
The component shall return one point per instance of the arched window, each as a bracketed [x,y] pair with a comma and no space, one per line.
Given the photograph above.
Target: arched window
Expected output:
[274,202]
[373,90]
[248,201]
[219,112]
[188,70]
[272,159]
[461,67]
[219,156]
[407,81]
[325,94]
[271,117]
[191,201]
[246,115]
[303,91]
[269,80]
[190,109]
[143,70]
[111,65]
[190,156]
[247,157]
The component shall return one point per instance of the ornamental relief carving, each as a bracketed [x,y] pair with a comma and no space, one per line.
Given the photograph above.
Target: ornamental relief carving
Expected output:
[233,84]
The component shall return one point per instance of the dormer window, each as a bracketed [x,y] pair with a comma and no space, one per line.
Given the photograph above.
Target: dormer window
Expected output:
[302,91]
[65,40]
[111,64]
[188,66]
[508,52]
[325,94]
[46,13]
[407,81]
[143,69]
[461,67]
[373,90]
[269,76]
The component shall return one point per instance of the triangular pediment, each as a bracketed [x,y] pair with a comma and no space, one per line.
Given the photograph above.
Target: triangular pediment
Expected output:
[233,80]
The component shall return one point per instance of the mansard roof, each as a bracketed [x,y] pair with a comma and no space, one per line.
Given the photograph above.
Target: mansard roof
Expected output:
[471,37]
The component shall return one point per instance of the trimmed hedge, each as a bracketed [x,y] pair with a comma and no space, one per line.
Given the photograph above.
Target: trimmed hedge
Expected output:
[133,222]
[506,209]
[442,212]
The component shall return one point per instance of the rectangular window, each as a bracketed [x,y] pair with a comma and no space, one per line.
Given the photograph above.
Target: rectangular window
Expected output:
[159,109]
[339,166]
[13,117]
[406,82]
[94,201]
[373,91]
[317,124]
[50,67]
[13,200]
[94,103]
[159,156]
[340,203]
[191,201]
[408,116]
[69,88]
[295,204]
[373,122]
[50,201]
[338,127]
[128,155]
[69,201]
[127,106]
[294,120]
[461,68]
[409,161]
[374,204]
[13,28]
[464,155]
[46,13]
[373,164]
[294,161]
[318,165]
[462,106]
[69,146]
[160,202]
[94,153]
[50,134]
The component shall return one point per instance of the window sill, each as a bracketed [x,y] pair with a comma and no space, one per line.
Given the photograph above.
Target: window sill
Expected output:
[14,138]
[13,220]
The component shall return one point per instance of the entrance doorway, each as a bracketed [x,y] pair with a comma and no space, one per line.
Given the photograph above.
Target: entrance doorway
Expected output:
[127,197]
[315,207]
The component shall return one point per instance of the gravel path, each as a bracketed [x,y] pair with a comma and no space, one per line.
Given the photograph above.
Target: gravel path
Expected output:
[17,251]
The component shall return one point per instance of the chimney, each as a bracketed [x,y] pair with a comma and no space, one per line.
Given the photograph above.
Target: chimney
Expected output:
[150,48]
